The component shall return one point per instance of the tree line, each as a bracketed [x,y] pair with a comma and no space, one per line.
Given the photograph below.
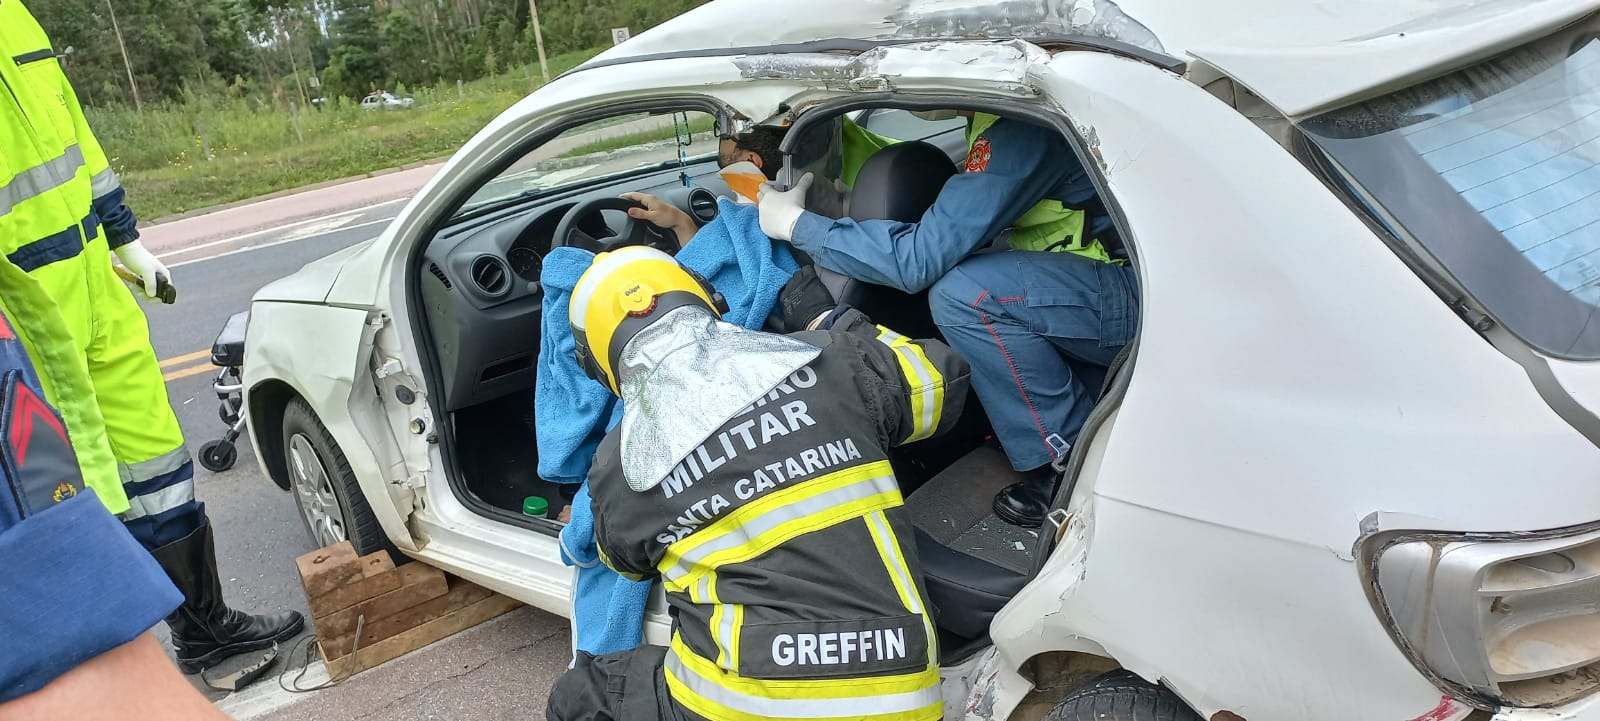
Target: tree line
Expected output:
[179,50]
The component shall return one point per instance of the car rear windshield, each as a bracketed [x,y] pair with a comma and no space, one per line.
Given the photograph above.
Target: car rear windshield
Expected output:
[1495,169]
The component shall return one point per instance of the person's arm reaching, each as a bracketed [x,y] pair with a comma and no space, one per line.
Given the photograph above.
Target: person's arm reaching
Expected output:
[1013,167]
[925,383]
[917,388]
[663,215]
[617,551]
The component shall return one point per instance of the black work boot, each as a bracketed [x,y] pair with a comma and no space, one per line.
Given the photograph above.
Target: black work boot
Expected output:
[1025,503]
[204,629]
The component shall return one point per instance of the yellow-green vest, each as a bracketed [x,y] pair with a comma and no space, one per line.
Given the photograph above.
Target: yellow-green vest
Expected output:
[1048,225]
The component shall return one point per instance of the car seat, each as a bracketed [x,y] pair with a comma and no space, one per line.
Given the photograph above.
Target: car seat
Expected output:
[898,183]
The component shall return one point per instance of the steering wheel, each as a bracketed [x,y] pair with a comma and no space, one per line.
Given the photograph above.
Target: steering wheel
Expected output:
[570,233]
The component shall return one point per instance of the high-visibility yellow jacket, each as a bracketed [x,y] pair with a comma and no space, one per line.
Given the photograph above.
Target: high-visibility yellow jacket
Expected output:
[61,211]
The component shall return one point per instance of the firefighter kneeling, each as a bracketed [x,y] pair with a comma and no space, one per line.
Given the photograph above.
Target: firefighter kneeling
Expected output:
[750,473]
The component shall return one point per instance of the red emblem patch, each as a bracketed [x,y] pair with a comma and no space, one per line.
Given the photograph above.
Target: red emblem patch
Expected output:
[978,157]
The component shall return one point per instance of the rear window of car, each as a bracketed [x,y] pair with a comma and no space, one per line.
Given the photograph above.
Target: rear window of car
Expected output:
[1495,170]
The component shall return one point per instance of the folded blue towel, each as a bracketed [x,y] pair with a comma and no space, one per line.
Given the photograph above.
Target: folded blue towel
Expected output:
[572,413]
[568,405]
[607,609]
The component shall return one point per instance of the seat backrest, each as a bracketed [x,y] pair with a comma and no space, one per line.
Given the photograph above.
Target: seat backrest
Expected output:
[899,183]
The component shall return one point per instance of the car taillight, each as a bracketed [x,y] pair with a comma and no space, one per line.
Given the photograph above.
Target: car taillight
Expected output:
[1509,619]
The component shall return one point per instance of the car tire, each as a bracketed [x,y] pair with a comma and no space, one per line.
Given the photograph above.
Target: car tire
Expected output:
[1122,696]
[324,488]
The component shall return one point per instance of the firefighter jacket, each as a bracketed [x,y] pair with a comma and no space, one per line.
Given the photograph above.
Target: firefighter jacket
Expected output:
[783,543]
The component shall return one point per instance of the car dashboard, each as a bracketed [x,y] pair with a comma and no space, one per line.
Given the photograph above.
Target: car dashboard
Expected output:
[479,279]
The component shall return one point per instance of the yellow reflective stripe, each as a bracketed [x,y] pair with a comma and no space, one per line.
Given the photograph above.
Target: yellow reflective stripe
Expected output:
[606,561]
[817,503]
[924,381]
[894,561]
[690,666]
[831,515]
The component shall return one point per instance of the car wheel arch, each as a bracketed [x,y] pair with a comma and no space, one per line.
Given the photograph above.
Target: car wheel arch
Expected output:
[265,406]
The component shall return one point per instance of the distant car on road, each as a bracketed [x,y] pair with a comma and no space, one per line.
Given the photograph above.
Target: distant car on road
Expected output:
[386,101]
[1346,470]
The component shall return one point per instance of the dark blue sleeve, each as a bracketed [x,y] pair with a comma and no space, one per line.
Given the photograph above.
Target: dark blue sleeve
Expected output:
[77,585]
[117,219]
[1014,166]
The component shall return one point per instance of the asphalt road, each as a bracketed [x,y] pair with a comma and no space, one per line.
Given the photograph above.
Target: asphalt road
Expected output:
[499,670]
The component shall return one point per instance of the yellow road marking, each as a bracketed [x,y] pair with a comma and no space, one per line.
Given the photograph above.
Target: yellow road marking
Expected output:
[185,358]
[186,372]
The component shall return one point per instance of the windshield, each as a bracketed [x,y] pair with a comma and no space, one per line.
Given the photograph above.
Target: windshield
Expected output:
[1496,171]
[605,148]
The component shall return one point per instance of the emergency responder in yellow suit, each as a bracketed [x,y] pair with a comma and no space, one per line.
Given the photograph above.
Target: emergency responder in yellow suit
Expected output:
[61,217]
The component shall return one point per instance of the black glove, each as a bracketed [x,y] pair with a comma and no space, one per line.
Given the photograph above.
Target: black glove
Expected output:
[802,300]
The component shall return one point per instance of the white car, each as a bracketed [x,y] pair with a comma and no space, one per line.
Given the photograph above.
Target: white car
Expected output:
[386,101]
[1348,470]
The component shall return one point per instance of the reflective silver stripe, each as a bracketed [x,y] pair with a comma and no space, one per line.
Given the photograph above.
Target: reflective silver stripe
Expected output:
[920,366]
[159,466]
[725,635]
[103,182]
[765,522]
[41,178]
[895,559]
[810,708]
[158,501]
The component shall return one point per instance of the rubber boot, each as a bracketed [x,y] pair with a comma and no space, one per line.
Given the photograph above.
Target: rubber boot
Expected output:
[204,630]
[1025,503]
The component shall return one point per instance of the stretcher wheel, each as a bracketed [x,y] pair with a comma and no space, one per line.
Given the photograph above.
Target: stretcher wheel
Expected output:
[218,456]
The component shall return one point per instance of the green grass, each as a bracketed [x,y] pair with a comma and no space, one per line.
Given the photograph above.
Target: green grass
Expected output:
[157,153]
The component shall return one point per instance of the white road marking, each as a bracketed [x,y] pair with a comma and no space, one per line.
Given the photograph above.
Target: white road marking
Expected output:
[347,214]
[248,248]
[266,697]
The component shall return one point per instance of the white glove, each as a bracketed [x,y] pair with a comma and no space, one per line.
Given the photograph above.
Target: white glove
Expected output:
[781,209]
[144,264]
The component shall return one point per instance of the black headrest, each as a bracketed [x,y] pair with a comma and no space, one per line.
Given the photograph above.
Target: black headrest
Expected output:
[900,182]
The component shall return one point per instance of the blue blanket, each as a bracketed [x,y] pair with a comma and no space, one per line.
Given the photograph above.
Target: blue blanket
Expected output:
[572,413]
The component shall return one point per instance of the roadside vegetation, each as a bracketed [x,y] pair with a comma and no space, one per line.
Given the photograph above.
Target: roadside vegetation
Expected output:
[160,154]
[699,126]
[200,102]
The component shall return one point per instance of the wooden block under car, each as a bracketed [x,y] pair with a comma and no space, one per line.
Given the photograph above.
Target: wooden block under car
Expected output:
[329,568]
[412,639]
[378,577]
[415,584]
[340,641]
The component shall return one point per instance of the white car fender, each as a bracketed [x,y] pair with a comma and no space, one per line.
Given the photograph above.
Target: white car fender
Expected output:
[323,365]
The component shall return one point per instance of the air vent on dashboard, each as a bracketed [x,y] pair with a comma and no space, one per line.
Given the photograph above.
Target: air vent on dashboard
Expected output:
[438,273]
[702,205]
[491,275]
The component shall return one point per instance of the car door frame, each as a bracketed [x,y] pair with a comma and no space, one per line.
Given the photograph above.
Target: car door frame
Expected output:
[512,558]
